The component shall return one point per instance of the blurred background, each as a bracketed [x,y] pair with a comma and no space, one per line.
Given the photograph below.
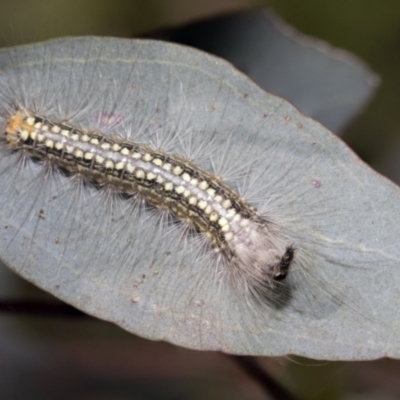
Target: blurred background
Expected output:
[51,357]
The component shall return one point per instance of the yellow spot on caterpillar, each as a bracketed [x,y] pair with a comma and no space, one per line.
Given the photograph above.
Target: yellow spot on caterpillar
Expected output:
[99,159]
[140,174]
[226,204]
[168,186]
[130,168]
[79,153]
[24,135]
[193,200]
[231,212]
[147,157]
[211,192]
[125,151]
[202,204]
[109,164]
[55,129]
[213,217]
[89,156]
[203,185]
[222,221]
[105,146]
[49,143]
[225,228]
[177,170]
[30,121]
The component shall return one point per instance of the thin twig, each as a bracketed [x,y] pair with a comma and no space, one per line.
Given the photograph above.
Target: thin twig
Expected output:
[273,389]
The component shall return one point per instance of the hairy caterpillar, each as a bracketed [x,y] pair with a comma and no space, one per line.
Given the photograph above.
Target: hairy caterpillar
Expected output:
[232,226]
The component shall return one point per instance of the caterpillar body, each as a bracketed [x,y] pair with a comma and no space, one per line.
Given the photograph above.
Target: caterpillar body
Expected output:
[232,226]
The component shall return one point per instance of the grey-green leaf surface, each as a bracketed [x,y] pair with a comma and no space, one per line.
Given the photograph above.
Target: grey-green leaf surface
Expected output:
[95,252]
[325,83]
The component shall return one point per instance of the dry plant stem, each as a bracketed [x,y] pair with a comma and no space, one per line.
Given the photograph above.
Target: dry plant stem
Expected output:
[271,387]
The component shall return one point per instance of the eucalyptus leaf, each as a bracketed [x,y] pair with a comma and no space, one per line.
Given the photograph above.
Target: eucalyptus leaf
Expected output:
[117,264]
[325,83]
